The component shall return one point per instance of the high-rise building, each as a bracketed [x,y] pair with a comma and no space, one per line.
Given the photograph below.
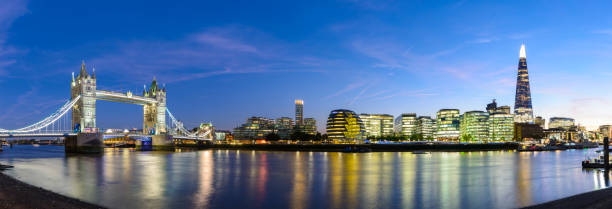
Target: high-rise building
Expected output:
[426,127]
[284,127]
[254,128]
[299,112]
[540,121]
[377,125]
[523,112]
[560,123]
[501,127]
[447,125]
[310,126]
[344,126]
[406,124]
[475,126]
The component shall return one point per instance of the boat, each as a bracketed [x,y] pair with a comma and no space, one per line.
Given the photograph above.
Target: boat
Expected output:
[594,163]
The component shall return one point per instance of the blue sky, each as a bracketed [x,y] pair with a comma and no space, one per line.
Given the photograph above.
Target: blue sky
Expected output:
[223,61]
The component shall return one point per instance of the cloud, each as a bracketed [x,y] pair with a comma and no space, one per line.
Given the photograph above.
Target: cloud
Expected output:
[604,32]
[212,52]
[9,12]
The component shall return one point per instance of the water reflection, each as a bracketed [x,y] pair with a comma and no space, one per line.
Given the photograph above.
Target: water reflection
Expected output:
[123,178]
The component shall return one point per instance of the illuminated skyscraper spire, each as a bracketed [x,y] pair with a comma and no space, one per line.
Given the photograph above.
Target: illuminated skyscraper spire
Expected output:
[523,112]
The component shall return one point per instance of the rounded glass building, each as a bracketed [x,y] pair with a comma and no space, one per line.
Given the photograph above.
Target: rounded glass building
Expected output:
[345,126]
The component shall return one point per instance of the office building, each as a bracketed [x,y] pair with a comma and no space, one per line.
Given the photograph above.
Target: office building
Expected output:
[377,125]
[310,126]
[540,122]
[523,111]
[501,127]
[299,112]
[560,123]
[447,125]
[254,128]
[406,124]
[345,126]
[426,127]
[284,127]
[474,126]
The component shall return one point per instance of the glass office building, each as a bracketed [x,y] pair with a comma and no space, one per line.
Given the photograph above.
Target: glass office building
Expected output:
[377,125]
[406,124]
[561,123]
[447,125]
[501,127]
[474,126]
[345,126]
[426,127]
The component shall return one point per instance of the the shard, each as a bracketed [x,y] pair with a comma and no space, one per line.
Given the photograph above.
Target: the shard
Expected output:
[523,112]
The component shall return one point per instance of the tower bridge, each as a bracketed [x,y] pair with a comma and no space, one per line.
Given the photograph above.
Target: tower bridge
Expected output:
[80,130]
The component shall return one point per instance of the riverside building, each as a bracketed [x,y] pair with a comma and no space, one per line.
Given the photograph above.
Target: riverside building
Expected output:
[254,128]
[501,126]
[310,126]
[523,111]
[345,126]
[560,123]
[377,125]
[406,124]
[299,112]
[426,127]
[475,126]
[447,125]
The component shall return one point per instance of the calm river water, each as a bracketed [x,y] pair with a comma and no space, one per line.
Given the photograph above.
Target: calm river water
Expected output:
[121,178]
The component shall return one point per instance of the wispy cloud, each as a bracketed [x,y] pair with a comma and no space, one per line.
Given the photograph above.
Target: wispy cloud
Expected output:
[9,12]
[604,32]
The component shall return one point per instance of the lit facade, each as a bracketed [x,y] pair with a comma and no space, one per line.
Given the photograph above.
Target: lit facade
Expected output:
[345,126]
[447,125]
[406,124]
[299,112]
[560,123]
[523,111]
[310,126]
[377,125]
[284,127]
[475,126]
[604,131]
[501,127]
[426,127]
[254,128]
[84,111]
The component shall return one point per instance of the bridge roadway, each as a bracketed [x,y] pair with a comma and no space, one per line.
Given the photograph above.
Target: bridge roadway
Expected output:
[59,134]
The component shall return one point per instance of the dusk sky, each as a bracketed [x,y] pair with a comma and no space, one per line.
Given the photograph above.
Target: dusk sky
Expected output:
[223,61]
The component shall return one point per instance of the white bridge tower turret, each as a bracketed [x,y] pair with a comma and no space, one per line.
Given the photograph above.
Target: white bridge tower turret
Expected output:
[84,111]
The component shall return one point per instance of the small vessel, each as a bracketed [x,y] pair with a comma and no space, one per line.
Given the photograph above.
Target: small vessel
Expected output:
[594,162]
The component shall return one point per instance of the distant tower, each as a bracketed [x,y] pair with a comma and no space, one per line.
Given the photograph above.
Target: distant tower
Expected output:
[523,112]
[84,111]
[155,114]
[299,112]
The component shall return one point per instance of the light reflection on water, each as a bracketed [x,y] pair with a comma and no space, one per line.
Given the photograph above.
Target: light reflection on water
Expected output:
[121,178]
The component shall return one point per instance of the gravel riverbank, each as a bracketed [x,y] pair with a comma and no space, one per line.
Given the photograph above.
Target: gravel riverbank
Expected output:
[15,194]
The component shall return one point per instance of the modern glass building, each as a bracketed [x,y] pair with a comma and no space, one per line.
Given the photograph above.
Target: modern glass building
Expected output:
[475,126]
[345,126]
[561,123]
[501,127]
[377,125]
[406,124]
[284,127]
[523,111]
[299,112]
[254,128]
[426,127]
[310,126]
[540,121]
[447,125]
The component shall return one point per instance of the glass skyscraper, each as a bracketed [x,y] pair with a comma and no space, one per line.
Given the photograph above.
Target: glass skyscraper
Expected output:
[299,112]
[344,126]
[523,112]
[447,125]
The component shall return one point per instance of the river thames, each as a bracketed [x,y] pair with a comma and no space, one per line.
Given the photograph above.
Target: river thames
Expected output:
[121,178]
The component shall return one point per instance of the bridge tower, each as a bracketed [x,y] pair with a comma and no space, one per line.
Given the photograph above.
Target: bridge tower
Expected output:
[84,111]
[155,114]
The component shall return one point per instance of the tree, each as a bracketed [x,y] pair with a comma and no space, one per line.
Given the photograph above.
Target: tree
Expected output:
[272,137]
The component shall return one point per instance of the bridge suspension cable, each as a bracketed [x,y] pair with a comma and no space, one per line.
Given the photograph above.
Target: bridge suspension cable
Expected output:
[48,121]
[179,125]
